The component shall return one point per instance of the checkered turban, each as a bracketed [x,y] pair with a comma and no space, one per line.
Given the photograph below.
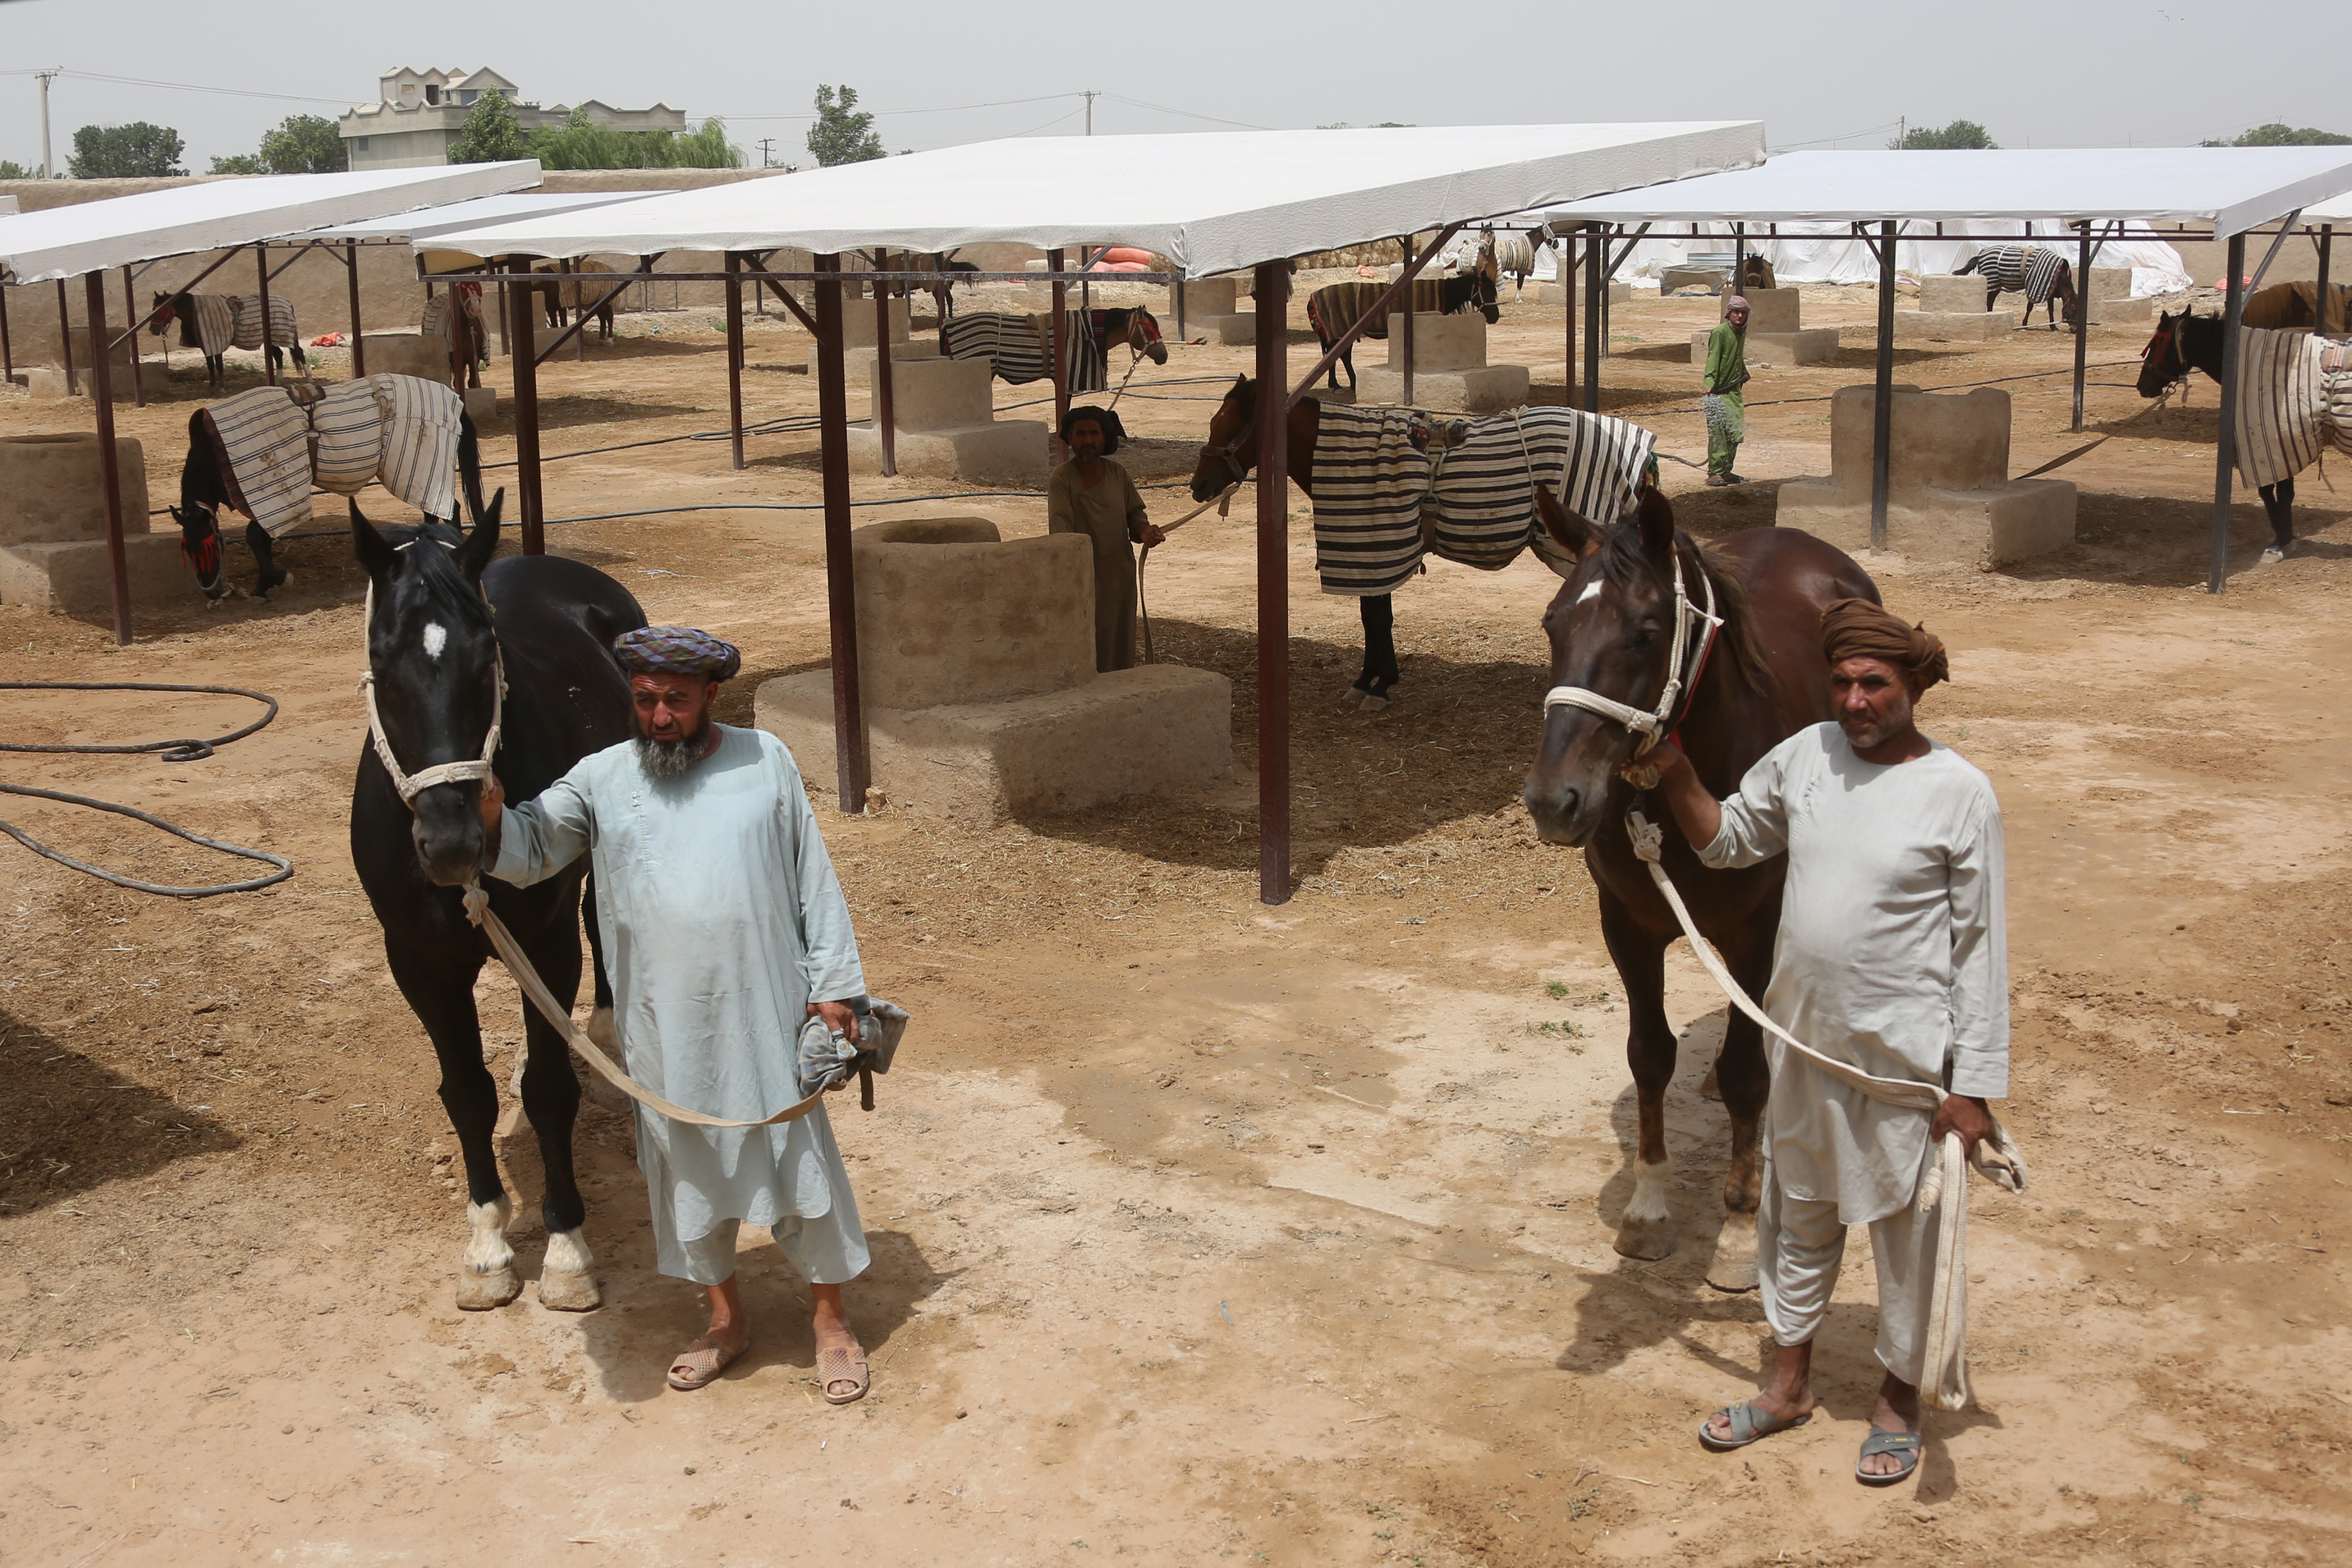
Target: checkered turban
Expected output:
[676,650]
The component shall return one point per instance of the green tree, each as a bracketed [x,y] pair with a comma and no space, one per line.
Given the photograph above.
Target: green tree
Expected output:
[491,133]
[841,134]
[12,170]
[238,164]
[304,144]
[2275,134]
[1960,134]
[582,144]
[132,152]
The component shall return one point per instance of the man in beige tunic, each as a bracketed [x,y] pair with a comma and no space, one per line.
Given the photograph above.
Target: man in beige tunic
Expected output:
[1092,495]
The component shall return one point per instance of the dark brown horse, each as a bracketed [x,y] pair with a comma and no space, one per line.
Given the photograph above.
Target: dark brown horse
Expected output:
[2188,342]
[1612,630]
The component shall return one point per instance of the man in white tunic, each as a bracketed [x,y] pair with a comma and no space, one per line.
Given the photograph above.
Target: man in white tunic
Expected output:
[724,929]
[1892,957]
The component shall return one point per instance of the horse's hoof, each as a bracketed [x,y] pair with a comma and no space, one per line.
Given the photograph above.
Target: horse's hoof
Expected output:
[1646,1239]
[1353,697]
[1710,1089]
[561,1292]
[489,1289]
[1373,702]
[1734,1265]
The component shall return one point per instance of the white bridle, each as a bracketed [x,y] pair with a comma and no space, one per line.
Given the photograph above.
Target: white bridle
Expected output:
[411,786]
[1683,666]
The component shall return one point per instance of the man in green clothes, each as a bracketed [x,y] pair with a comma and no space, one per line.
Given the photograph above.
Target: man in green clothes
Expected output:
[1726,373]
[1092,495]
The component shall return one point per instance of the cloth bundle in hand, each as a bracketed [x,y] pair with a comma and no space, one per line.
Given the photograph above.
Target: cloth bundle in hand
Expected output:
[827,1057]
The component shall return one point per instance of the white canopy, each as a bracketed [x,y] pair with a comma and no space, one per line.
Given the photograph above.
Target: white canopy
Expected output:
[428,222]
[2336,211]
[68,241]
[1214,202]
[2234,188]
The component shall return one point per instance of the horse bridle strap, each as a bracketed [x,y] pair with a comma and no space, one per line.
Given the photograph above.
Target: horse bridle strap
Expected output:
[1683,666]
[411,786]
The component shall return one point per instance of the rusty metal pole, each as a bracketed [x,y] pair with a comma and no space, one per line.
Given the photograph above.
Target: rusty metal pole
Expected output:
[2318,293]
[1405,344]
[261,262]
[65,336]
[102,390]
[2225,450]
[886,411]
[1061,354]
[1567,298]
[1178,290]
[506,332]
[1272,289]
[1738,262]
[1596,246]
[359,332]
[734,355]
[1882,416]
[131,317]
[2081,321]
[526,421]
[7,346]
[577,301]
[852,777]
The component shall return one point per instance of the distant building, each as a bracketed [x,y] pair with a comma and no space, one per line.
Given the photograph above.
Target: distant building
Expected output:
[420,113]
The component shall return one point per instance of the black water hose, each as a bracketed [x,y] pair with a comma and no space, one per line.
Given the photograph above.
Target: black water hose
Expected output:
[168,751]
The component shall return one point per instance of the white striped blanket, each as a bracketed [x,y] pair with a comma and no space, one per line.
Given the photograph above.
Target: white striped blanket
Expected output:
[2294,399]
[224,323]
[1333,309]
[397,430]
[1380,503]
[2029,269]
[1020,347]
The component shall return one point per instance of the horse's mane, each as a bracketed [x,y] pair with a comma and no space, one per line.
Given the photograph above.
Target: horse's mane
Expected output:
[1624,561]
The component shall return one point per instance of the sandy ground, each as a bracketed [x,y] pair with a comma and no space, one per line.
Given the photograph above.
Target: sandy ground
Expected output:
[1205,1230]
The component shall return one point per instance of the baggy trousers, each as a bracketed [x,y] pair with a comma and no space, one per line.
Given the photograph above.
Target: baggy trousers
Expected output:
[1801,1243]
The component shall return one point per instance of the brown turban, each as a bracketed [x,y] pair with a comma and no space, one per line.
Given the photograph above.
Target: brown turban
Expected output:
[1853,628]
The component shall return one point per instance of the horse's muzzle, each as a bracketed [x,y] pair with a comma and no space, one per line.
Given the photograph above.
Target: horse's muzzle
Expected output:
[448,832]
[1563,813]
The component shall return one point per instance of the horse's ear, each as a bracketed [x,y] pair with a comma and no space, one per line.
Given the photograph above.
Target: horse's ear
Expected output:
[482,542]
[1572,531]
[1654,515]
[374,551]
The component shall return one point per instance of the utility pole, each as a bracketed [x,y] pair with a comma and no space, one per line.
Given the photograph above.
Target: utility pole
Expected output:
[48,167]
[1090,112]
[765,142]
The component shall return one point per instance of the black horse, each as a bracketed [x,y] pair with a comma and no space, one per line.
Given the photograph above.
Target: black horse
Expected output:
[1334,308]
[2188,342]
[204,491]
[244,329]
[445,623]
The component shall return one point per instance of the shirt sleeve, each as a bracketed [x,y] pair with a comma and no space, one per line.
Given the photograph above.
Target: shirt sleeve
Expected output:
[1136,518]
[828,944]
[1981,958]
[1756,819]
[1060,506]
[539,837]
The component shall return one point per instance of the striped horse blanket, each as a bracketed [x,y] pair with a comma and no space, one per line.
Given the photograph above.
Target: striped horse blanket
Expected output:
[2294,400]
[2029,269]
[397,430]
[1020,348]
[224,323]
[2290,305]
[1381,502]
[1333,309]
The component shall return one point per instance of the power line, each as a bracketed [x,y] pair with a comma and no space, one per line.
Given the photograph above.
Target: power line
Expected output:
[1186,113]
[182,86]
[939,109]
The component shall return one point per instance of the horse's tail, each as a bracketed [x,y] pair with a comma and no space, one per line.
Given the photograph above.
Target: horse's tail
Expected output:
[1972,263]
[469,464]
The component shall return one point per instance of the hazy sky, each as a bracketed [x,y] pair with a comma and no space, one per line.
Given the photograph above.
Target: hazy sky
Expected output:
[1830,73]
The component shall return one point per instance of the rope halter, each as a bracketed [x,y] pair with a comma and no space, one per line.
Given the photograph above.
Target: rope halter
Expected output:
[411,786]
[1684,663]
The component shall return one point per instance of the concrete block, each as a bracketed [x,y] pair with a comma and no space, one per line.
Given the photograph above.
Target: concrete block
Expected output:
[1489,389]
[1773,310]
[857,323]
[1810,345]
[1960,295]
[481,403]
[857,364]
[936,393]
[1206,297]
[52,488]
[407,353]
[1124,733]
[1229,331]
[949,612]
[1555,296]
[73,577]
[1004,452]
[1953,326]
[32,349]
[2109,283]
[1441,342]
[2122,312]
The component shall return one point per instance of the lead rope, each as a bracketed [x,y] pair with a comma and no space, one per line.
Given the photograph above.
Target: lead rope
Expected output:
[1945,1374]
[1223,500]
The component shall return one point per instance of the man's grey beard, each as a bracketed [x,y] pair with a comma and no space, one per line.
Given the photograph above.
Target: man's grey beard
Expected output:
[669,759]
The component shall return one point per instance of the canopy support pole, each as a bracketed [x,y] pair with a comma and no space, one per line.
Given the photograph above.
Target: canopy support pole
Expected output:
[1596,243]
[526,414]
[2225,449]
[7,345]
[506,332]
[359,335]
[1405,344]
[1882,417]
[886,411]
[1271,289]
[2082,320]
[1568,300]
[1061,351]
[1176,291]
[1738,262]
[2319,293]
[118,564]
[735,357]
[840,581]
[130,313]
[261,265]
[64,334]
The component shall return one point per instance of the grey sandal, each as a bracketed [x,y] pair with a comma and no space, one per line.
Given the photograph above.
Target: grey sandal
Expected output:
[1906,1444]
[1748,1421]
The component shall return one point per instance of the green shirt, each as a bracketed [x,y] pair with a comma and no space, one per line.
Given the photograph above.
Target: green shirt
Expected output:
[1726,364]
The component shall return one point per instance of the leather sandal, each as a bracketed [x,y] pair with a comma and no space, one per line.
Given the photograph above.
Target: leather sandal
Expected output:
[843,1364]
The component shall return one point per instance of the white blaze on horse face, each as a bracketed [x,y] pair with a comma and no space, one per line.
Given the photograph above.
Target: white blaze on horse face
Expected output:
[1592,592]
[436,638]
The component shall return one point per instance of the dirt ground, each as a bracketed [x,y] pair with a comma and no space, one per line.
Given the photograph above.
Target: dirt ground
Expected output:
[1205,1230]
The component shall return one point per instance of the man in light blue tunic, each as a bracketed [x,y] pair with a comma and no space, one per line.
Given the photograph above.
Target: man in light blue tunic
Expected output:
[724,929]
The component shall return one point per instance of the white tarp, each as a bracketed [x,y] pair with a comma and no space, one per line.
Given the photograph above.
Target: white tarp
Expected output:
[1214,202]
[452,216]
[89,236]
[2336,211]
[2234,188]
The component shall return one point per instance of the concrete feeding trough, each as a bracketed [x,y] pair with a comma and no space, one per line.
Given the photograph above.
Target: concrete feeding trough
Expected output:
[2111,301]
[1952,310]
[1556,295]
[1213,310]
[944,414]
[53,554]
[857,339]
[976,664]
[1450,372]
[1774,333]
[46,377]
[408,354]
[1949,496]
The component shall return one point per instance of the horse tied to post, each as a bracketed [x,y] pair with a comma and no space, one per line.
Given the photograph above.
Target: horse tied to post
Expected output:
[1336,307]
[475,666]
[1641,595]
[216,323]
[1020,349]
